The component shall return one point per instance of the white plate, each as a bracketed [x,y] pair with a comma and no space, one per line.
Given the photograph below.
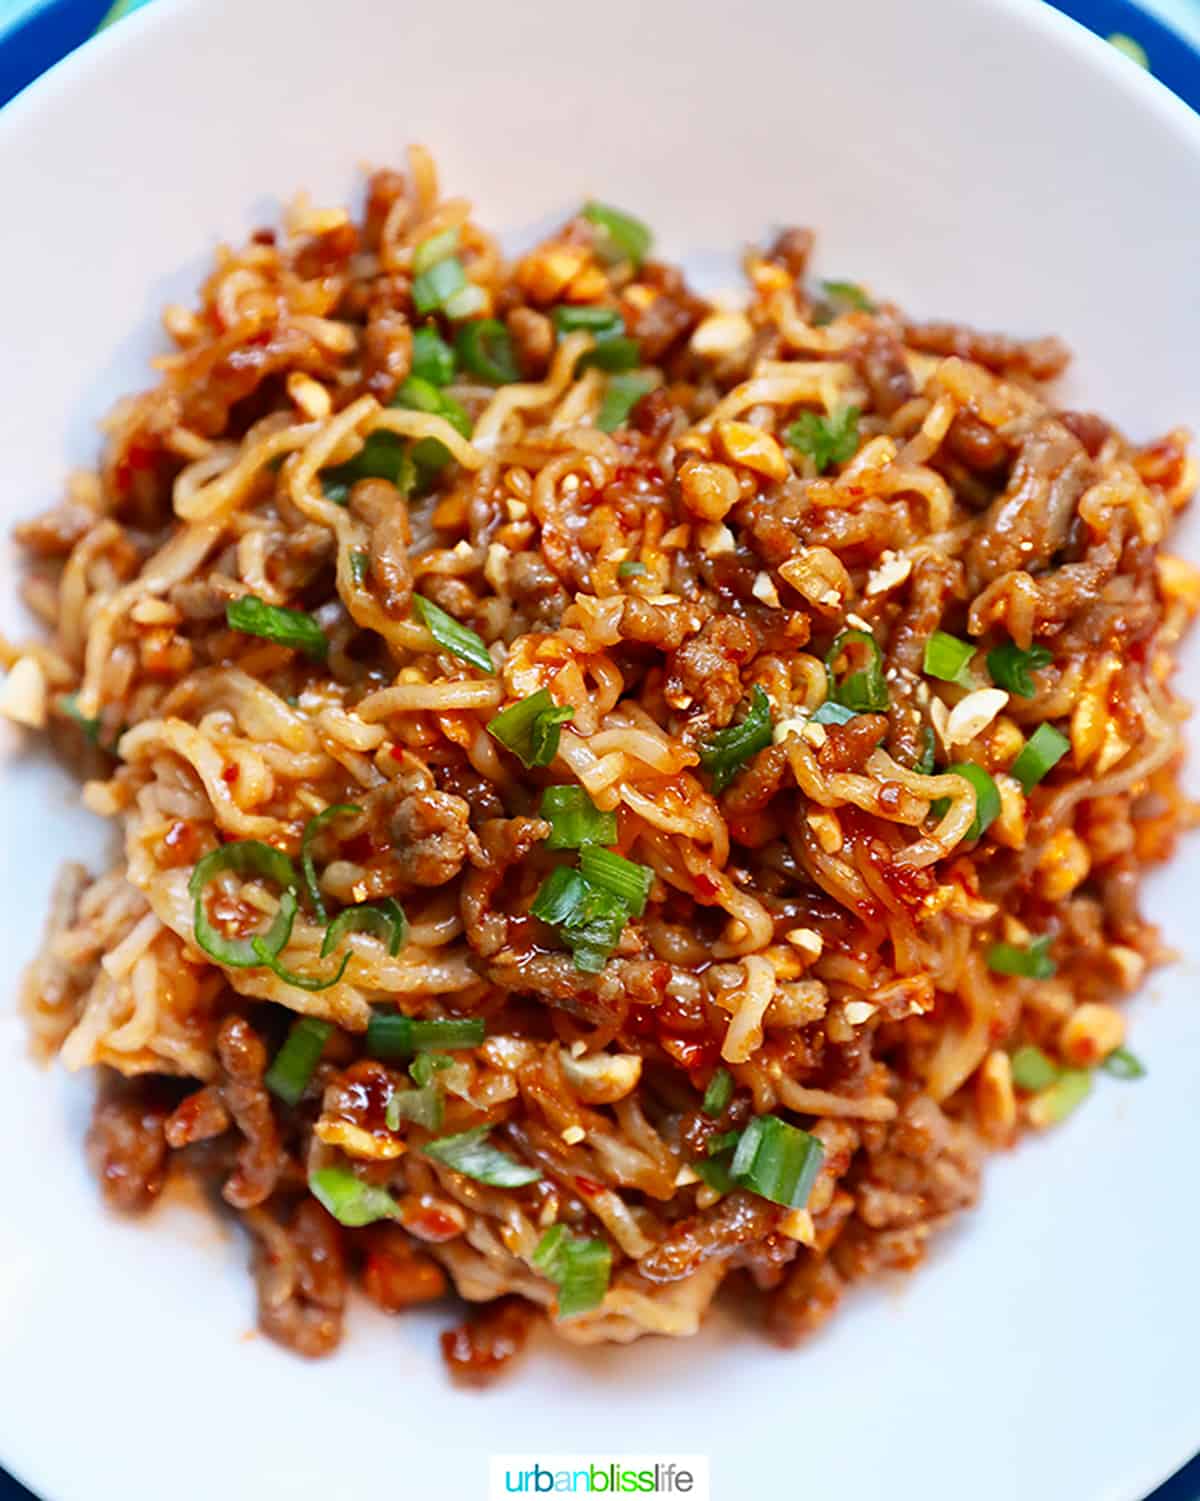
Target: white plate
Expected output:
[988,161]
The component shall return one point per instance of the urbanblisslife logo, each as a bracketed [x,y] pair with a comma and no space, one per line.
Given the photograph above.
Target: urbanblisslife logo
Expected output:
[672,1475]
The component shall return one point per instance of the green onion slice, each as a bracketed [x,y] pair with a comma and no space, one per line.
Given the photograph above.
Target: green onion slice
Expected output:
[725,1142]
[864,689]
[726,751]
[580,1268]
[294,1063]
[624,879]
[433,288]
[432,357]
[424,1107]
[1066,1094]
[435,248]
[485,348]
[459,640]
[425,1065]
[1032,963]
[714,1171]
[1044,749]
[384,455]
[849,294]
[947,658]
[351,1201]
[831,712]
[829,440]
[245,857]
[360,566]
[467,302]
[987,798]
[254,617]
[392,1037]
[590,920]
[531,728]
[272,962]
[718,1094]
[575,820]
[631,570]
[311,829]
[1032,1070]
[617,353]
[621,237]
[777,1161]
[69,704]
[926,763]
[384,920]
[470,1153]
[1122,1064]
[1010,667]
[621,395]
[601,321]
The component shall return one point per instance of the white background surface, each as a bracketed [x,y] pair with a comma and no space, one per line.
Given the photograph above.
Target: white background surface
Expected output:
[977,158]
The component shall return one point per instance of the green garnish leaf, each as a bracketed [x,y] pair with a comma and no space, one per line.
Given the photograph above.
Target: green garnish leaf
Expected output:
[384,920]
[718,1094]
[470,1153]
[1033,1070]
[621,237]
[621,395]
[631,570]
[1122,1064]
[531,728]
[629,882]
[244,857]
[847,294]
[311,829]
[725,1142]
[432,357]
[485,348]
[296,1060]
[864,689]
[777,1161]
[436,248]
[435,287]
[589,920]
[580,1268]
[829,440]
[831,712]
[459,640]
[293,628]
[69,704]
[726,751]
[1010,667]
[1044,749]
[1031,963]
[393,1037]
[948,658]
[575,820]
[351,1201]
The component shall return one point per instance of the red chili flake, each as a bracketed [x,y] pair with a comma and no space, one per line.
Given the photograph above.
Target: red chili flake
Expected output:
[693,1053]
[397,752]
[588,1186]
[706,888]
[230,774]
[430,1224]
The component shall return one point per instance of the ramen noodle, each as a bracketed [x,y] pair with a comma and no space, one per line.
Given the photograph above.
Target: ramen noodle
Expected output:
[621,795]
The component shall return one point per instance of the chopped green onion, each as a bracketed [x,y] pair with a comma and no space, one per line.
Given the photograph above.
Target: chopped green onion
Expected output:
[865,689]
[621,395]
[486,349]
[470,1153]
[69,704]
[425,1065]
[393,1037]
[718,1094]
[384,920]
[1032,1070]
[289,976]
[428,454]
[311,829]
[293,628]
[831,712]
[631,570]
[926,763]
[987,798]
[384,455]
[1032,963]
[1010,667]
[575,820]
[1044,749]
[436,248]
[622,237]
[458,639]
[726,751]
[622,878]
[1133,50]
[337,490]
[613,354]
[947,658]
[715,1173]
[531,728]
[777,1161]
[601,321]
[725,1142]
[351,1201]
[360,566]
[467,302]
[424,1107]
[589,920]
[580,1268]
[432,289]
[1122,1064]
[245,857]
[829,440]
[295,1061]
[848,293]
[432,357]
[1066,1094]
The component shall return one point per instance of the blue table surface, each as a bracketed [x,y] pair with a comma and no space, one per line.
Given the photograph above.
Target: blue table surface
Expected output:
[34,34]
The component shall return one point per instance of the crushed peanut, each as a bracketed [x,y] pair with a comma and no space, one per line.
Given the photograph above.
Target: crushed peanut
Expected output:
[1091,1033]
[23,693]
[741,443]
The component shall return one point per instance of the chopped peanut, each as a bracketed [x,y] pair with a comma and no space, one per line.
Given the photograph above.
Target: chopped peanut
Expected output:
[722,334]
[546,273]
[741,443]
[1091,1033]
[972,714]
[23,693]
[819,576]
[995,1099]
[1064,863]
[602,1078]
